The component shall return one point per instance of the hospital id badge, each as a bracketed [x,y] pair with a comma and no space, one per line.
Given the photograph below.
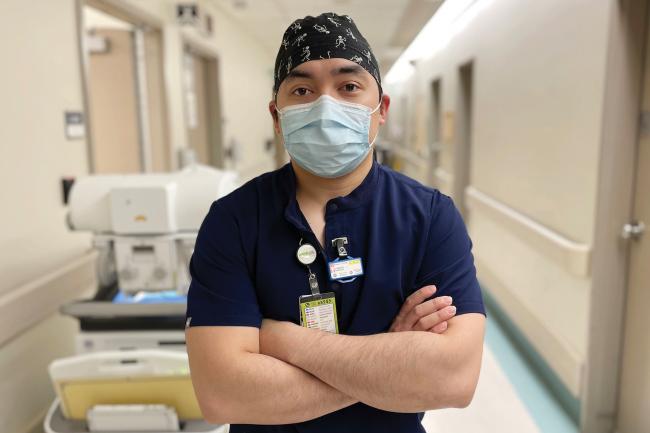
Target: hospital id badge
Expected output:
[345,270]
[319,312]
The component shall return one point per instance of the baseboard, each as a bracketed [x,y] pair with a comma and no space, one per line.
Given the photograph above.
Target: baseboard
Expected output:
[569,402]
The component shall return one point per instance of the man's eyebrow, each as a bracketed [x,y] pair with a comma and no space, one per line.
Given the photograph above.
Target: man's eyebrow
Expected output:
[354,69]
[298,74]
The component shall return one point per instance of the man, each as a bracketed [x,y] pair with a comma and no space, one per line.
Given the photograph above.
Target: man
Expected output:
[342,245]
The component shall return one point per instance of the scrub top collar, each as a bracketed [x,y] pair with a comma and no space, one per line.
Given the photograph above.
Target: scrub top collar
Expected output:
[358,197]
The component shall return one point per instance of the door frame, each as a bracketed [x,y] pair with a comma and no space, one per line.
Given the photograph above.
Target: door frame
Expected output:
[213,88]
[614,207]
[138,18]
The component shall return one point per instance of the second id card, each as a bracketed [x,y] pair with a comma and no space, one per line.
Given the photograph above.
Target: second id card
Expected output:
[319,312]
[345,268]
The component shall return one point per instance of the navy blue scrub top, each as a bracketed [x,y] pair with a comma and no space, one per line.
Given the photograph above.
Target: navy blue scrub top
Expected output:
[244,267]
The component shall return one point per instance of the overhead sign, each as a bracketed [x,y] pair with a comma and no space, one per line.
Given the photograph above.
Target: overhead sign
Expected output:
[187,13]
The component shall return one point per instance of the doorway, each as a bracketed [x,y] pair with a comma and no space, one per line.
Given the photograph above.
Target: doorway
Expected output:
[434,133]
[463,145]
[202,107]
[126,102]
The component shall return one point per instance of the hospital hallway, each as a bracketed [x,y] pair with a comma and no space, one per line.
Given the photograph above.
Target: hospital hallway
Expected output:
[510,397]
[158,158]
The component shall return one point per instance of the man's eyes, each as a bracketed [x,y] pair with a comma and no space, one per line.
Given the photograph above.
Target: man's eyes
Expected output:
[348,88]
[301,91]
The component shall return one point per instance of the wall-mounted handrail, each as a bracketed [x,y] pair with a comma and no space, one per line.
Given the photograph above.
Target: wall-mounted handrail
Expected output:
[574,256]
[26,305]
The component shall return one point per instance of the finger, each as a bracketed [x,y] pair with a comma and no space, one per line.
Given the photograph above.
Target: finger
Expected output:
[417,297]
[426,308]
[428,322]
[439,328]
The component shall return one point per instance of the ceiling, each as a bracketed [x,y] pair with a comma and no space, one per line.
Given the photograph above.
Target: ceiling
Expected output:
[388,25]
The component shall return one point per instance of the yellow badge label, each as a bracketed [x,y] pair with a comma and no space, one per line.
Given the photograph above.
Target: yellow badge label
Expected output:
[319,312]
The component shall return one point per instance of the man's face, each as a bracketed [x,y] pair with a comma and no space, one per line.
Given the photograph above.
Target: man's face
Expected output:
[339,78]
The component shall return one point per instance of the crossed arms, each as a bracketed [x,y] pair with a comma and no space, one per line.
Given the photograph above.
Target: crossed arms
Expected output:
[283,373]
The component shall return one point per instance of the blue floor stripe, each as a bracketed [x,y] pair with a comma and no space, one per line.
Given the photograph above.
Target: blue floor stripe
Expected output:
[545,410]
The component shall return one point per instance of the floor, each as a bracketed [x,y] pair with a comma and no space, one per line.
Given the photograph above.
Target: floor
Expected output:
[509,397]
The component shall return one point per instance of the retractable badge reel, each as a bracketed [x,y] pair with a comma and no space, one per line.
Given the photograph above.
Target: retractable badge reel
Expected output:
[344,269]
[318,310]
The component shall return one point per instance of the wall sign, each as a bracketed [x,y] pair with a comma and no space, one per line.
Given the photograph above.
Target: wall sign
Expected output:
[74,125]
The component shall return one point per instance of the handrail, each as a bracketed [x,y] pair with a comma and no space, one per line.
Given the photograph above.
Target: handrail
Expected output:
[409,155]
[574,256]
[26,305]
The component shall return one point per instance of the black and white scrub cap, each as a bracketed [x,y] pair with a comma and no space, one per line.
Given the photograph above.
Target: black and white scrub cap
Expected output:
[323,37]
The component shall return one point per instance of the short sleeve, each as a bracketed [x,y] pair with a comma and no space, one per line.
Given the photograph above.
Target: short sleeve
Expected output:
[221,291]
[448,262]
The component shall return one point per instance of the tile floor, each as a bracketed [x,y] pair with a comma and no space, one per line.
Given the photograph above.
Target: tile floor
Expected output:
[509,397]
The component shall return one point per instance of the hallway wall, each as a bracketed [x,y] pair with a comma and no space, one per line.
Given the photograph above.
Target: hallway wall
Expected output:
[40,85]
[533,162]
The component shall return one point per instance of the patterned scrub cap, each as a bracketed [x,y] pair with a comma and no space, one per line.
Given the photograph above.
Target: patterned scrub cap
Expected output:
[323,37]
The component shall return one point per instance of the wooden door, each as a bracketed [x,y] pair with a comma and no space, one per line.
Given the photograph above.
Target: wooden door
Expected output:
[113,105]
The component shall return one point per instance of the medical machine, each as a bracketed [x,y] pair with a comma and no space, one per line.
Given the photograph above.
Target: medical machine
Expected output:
[145,224]
[131,372]
[125,391]
[144,228]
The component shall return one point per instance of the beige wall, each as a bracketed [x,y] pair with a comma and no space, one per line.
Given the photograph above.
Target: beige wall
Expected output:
[26,391]
[35,154]
[36,90]
[537,106]
[40,80]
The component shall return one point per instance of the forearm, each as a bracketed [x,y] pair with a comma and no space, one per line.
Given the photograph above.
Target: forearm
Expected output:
[401,372]
[264,390]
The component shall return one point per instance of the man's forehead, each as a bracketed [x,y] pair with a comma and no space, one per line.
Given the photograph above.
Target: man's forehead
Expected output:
[333,67]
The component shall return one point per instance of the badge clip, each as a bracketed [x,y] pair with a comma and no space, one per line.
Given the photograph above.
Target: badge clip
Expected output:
[313,283]
[344,268]
[339,244]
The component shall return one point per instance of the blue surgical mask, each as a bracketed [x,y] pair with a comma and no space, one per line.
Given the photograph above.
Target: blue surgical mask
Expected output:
[327,137]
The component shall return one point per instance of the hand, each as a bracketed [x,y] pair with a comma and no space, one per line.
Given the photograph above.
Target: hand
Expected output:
[417,315]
